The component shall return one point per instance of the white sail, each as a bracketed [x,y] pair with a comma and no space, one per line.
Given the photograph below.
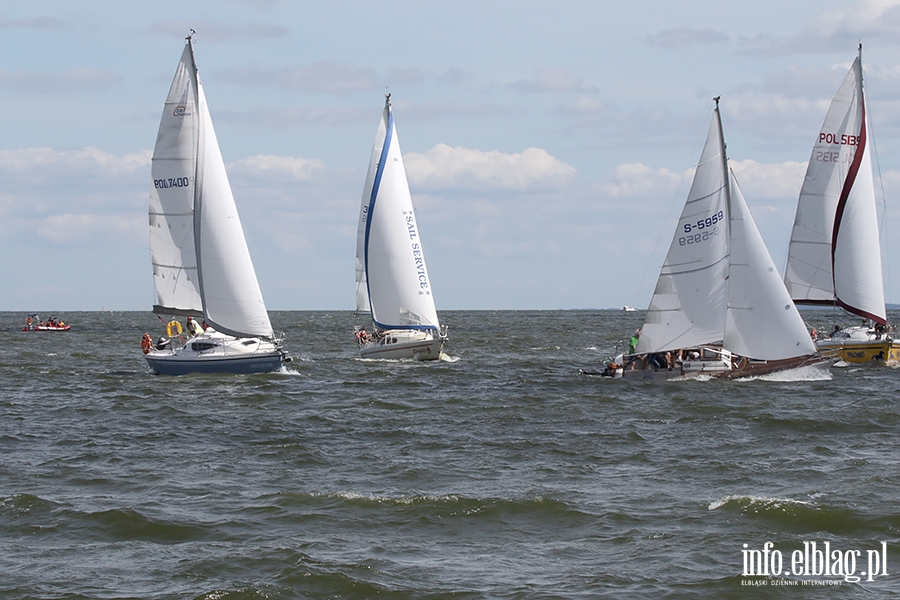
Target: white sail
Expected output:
[761,320]
[834,254]
[173,170]
[362,286]
[718,283]
[688,305]
[232,300]
[200,257]
[399,288]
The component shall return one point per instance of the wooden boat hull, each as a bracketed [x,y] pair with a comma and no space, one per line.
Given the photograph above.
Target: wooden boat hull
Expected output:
[744,368]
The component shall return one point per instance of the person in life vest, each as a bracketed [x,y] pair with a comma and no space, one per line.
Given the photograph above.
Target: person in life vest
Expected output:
[193,327]
[146,343]
[173,328]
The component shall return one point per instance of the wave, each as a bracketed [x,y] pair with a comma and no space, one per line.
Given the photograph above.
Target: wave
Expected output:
[808,373]
[799,515]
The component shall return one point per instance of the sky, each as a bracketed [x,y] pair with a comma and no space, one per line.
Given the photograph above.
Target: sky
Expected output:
[549,144]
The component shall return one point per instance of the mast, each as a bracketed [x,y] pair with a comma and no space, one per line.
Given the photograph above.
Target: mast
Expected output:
[726,180]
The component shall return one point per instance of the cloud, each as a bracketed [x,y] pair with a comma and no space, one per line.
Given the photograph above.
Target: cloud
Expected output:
[48,161]
[58,82]
[45,181]
[551,80]
[215,31]
[875,21]
[686,36]
[76,228]
[276,167]
[778,181]
[445,167]
[637,180]
[45,23]
[322,76]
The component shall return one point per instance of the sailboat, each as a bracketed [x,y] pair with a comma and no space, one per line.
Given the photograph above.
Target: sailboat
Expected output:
[391,261]
[834,257]
[719,307]
[201,264]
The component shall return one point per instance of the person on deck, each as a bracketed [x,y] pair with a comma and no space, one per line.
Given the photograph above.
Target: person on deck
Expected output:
[193,327]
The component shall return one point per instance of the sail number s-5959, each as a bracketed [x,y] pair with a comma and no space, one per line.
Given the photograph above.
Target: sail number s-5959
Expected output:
[704,223]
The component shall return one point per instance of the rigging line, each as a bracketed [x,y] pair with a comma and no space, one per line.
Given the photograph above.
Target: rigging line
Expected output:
[675,202]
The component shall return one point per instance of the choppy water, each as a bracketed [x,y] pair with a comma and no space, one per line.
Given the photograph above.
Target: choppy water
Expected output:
[500,473]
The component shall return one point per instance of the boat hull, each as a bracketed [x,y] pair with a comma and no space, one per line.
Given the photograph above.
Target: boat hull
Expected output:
[397,344]
[862,352]
[45,328]
[217,353]
[721,370]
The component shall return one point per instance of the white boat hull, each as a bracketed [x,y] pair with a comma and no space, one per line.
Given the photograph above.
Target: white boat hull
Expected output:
[403,343]
[214,352]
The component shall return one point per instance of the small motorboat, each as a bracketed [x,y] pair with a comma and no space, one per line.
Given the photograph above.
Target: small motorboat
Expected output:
[33,322]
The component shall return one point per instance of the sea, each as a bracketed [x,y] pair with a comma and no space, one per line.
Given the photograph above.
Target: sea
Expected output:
[501,471]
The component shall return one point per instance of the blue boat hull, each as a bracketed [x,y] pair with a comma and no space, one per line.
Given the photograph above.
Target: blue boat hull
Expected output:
[238,365]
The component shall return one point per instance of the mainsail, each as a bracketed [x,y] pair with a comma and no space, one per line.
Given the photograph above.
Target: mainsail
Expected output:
[174,172]
[718,283]
[835,255]
[200,256]
[399,289]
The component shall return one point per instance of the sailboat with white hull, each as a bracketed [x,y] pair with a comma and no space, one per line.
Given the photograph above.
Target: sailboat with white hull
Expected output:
[201,263]
[834,258]
[391,261]
[719,307]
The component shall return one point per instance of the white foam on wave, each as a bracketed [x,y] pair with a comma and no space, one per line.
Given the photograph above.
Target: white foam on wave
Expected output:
[809,373]
[760,500]
[285,371]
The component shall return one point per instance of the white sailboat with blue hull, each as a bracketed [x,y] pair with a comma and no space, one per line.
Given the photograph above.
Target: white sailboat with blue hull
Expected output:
[392,263]
[201,263]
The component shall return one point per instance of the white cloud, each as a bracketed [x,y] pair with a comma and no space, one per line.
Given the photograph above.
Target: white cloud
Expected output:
[637,180]
[778,181]
[281,167]
[445,167]
[873,21]
[83,161]
[77,228]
